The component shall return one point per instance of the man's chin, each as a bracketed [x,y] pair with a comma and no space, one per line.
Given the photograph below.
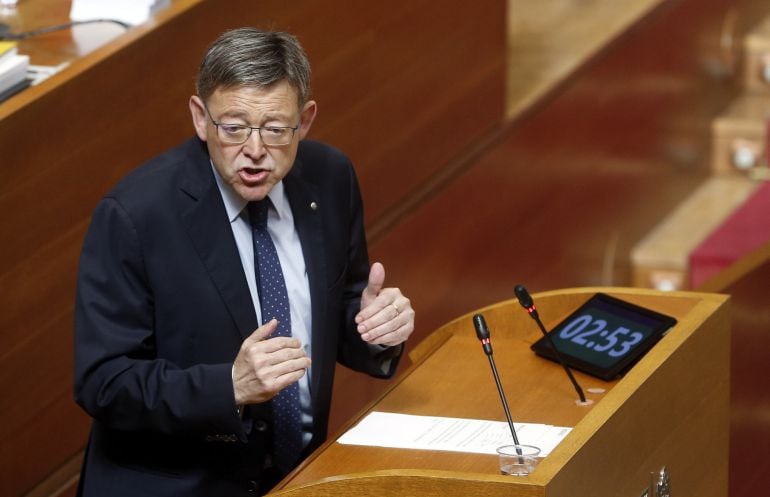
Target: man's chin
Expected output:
[253,193]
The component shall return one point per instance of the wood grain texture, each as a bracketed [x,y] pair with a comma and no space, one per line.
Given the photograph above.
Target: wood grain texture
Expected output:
[550,41]
[746,283]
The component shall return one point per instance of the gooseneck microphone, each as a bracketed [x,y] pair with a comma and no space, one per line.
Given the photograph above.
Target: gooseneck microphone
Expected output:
[525,299]
[482,332]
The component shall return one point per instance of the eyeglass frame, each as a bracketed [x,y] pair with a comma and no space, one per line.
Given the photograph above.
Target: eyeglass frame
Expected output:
[251,130]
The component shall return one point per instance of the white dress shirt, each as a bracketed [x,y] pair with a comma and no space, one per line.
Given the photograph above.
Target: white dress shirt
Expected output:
[280,225]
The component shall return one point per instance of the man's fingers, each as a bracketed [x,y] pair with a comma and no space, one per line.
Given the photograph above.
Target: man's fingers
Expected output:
[261,338]
[266,383]
[395,337]
[291,356]
[377,312]
[388,320]
[293,368]
[262,332]
[389,305]
[383,330]
[264,367]
[279,371]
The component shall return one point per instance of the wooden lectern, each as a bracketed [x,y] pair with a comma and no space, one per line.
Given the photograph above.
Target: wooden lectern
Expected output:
[670,410]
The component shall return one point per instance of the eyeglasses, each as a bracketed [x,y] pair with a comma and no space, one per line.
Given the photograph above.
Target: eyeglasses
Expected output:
[271,136]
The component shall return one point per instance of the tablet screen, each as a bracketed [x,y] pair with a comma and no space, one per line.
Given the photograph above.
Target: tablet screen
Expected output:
[605,336]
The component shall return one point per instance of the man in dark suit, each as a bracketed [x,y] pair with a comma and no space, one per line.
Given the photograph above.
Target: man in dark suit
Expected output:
[182,381]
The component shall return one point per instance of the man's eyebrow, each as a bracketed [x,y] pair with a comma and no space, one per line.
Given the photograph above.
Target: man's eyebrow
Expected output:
[235,113]
[277,115]
[244,115]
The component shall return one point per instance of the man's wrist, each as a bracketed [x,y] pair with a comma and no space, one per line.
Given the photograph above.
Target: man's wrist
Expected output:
[238,407]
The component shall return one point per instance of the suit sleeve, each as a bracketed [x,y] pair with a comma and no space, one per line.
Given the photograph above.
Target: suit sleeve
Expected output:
[119,379]
[353,352]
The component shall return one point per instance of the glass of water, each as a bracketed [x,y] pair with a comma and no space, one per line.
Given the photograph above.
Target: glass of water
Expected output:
[518,460]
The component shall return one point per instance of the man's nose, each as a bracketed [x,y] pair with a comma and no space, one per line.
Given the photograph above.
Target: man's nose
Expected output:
[254,146]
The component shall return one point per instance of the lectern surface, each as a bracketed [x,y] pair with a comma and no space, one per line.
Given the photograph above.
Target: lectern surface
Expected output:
[456,381]
[650,419]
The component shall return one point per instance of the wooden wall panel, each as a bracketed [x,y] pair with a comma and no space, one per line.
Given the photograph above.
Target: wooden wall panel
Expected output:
[750,398]
[402,87]
[572,185]
[746,283]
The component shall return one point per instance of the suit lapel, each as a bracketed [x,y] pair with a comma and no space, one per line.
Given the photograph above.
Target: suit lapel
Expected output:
[305,206]
[204,216]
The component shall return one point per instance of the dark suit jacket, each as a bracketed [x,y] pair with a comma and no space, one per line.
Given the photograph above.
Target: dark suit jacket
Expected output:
[163,306]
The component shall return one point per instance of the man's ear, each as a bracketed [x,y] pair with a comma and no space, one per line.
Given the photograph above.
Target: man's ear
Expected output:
[199,117]
[306,118]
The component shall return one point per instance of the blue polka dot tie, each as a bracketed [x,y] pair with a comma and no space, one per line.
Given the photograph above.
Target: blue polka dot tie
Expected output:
[274,301]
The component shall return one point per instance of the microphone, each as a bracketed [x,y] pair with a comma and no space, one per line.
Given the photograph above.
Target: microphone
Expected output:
[525,299]
[482,332]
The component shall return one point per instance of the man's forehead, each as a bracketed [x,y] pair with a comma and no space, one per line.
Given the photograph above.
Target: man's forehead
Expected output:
[280,92]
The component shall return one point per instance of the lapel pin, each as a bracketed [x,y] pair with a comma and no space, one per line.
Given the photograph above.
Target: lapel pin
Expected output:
[313,206]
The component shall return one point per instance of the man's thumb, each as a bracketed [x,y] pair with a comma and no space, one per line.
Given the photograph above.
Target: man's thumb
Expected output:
[263,331]
[376,280]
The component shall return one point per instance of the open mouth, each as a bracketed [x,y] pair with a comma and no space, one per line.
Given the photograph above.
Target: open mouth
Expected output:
[252,174]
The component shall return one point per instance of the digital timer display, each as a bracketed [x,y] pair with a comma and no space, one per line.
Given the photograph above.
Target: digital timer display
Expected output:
[605,336]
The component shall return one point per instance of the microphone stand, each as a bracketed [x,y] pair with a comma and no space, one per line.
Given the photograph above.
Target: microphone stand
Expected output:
[482,332]
[526,302]
[505,403]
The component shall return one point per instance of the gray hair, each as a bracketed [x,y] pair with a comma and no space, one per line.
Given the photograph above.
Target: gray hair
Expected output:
[251,57]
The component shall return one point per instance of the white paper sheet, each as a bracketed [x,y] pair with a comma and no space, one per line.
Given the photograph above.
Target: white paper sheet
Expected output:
[405,431]
[129,11]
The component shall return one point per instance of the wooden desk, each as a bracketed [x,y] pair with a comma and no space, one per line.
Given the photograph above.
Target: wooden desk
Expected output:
[52,49]
[655,416]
